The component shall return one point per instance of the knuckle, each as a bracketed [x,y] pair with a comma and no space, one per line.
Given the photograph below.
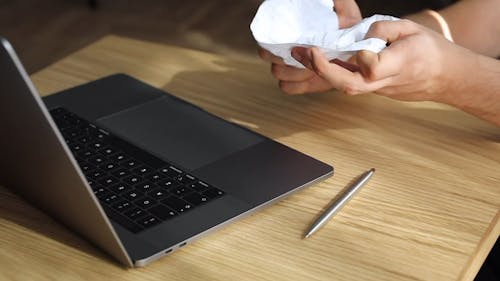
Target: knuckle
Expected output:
[263,54]
[291,88]
[350,90]
[377,27]
[406,22]
[284,88]
[320,69]
[276,70]
[373,73]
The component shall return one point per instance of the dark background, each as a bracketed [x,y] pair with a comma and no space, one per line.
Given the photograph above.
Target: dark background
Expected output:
[44,31]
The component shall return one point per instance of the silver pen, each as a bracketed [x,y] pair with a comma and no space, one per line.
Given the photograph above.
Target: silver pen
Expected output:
[338,204]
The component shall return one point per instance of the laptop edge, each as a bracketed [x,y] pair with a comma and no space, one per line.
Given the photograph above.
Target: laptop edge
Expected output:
[21,155]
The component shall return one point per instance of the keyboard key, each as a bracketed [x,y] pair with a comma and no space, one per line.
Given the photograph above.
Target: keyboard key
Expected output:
[133,195]
[110,198]
[158,194]
[95,133]
[142,170]
[148,221]
[181,190]
[196,199]
[120,157]
[176,204]
[121,188]
[162,212]
[170,172]
[75,147]
[130,163]
[122,205]
[108,151]
[86,166]
[97,145]
[120,173]
[84,140]
[184,179]
[133,179]
[145,186]
[145,202]
[156,177]
[97,160]
[108,181]
[99,190]
[93,184]
[102,193]
[108,166]
[198,186]
[95,174]
[213,193]
[168,184]
[85,153]
[135,213]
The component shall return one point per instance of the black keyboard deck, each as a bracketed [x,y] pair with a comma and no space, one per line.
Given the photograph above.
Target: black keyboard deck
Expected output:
[135,188]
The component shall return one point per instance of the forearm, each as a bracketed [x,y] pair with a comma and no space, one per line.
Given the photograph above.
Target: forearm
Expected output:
[473,24]
[479,90]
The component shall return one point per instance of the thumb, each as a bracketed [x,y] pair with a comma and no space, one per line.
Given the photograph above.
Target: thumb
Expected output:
[387,63]
[367,62]
[390,61]
[391,31]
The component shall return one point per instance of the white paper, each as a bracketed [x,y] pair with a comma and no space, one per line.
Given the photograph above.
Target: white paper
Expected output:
[280,25]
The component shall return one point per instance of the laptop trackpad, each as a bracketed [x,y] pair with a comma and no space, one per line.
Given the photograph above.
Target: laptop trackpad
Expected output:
[179,132]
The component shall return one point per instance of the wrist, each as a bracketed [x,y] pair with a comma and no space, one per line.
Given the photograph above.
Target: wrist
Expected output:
[432,20]
[478,91]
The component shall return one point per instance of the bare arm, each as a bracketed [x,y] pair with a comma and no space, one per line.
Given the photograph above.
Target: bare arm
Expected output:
[474,24]
[480,94]
[418,65]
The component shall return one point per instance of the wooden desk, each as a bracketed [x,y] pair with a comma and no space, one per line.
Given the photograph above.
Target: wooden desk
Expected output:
[431,211]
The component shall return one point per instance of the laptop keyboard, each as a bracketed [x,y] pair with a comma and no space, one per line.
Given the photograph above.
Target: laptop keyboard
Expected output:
[135,188]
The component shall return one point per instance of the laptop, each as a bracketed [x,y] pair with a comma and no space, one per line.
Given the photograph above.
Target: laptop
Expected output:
[134,169]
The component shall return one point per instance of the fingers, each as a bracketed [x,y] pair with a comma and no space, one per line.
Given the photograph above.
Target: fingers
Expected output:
[348,13]
[339,77]
[391,60]
[268,56]
[294,80]
[391,31]
[290,73]
[385,64]
[349,65]
[315,84]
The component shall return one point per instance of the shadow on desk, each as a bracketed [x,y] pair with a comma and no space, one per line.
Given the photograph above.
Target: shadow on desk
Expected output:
[279,115]
[16,210]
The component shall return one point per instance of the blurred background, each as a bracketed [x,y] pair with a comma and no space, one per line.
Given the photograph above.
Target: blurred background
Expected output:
[43,31]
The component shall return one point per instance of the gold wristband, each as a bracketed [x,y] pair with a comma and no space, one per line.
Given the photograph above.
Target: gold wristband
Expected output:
[442,23]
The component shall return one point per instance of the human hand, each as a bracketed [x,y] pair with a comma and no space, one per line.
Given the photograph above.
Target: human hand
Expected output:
[291,78]
[418,65]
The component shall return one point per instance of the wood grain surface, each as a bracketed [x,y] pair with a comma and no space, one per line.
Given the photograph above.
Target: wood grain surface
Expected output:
[430,212]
